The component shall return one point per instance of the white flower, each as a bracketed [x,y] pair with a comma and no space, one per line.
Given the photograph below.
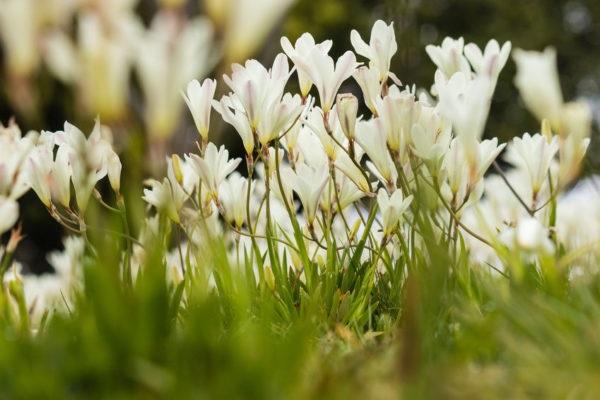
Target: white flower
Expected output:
[371,137]
[449,57]
[14,151]
[232,195]
[245,23]
[576,119]
[232,112]
[571,154]
[308,183]
[199,100]
[9,213]
[531,235]
[431,135]
[464,178]
[534,154]
[491,61]
[392,208]
[466,103]
[398,111]
[214,167]
[166,196]
[538,84]
[88,160]
[327,77]
[316,121]
[168,56]
[381,48]
[257,88]
[301,49]
[368,80]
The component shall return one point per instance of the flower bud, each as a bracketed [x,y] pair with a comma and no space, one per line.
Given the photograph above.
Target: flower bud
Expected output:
[546,129]
[177,168]
[347,107]
[114,167]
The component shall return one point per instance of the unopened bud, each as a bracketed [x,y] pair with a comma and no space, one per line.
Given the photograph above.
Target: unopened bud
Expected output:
[354,229]
[546,129]
[347,108]
[177,168]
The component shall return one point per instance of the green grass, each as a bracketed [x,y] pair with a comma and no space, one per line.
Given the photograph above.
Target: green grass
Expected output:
[434,326]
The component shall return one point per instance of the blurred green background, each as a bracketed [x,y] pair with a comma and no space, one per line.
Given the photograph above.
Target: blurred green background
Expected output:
[573,27]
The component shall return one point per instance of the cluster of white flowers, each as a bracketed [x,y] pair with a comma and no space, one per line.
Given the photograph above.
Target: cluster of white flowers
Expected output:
[94,45]
[325,179]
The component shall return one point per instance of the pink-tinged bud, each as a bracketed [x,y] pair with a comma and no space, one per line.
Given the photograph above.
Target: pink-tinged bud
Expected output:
[14,240]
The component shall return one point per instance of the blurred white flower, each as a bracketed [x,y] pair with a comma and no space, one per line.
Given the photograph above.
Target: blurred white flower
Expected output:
[534,154]
[245,23]
[531,235]
[491,61]
[9,213]
[466,103]
[538,84]
[168,56]
[449,57]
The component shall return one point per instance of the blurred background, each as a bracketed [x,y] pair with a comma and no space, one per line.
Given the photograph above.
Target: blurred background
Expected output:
[127,61]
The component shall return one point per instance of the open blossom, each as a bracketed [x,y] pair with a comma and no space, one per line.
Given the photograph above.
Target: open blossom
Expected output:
[301,49]
[534,154]
[308,183]
[326,76]
[257,88]
[491,61]
[14,151]
[392,208]
[199,100]
[214,167]
[381,48]
[464,178]
[89,160]
[538,84]
[398,110]
[431,134]
[466,103]
[449,57]
[167,196]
